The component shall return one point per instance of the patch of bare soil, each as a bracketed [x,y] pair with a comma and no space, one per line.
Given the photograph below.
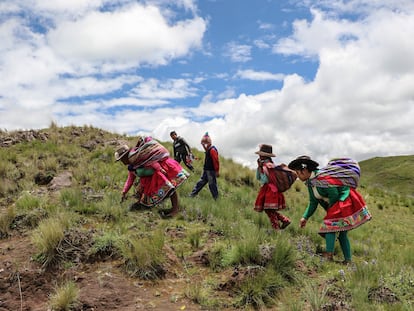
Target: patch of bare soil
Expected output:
[24,285]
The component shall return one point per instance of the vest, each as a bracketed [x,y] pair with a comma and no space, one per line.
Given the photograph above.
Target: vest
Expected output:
[208,161]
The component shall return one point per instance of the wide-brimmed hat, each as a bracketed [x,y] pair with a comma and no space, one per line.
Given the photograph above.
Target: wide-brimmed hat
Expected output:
[303,162]
[265,150]
[121,152]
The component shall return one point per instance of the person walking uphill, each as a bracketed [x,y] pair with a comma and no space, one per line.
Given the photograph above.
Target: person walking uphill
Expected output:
[269,199]
[335,191]
[159,174]
[211,169]
[182,151]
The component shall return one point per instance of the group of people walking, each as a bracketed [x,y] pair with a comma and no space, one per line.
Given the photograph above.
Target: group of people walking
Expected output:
[160,176]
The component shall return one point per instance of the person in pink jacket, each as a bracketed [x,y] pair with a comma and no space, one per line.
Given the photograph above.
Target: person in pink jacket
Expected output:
[159,174]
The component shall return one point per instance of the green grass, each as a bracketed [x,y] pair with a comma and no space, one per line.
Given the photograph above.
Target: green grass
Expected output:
[65,297]
[260,267]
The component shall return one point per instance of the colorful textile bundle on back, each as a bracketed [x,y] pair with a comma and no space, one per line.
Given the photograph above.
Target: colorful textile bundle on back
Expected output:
[338,172]
[147,153]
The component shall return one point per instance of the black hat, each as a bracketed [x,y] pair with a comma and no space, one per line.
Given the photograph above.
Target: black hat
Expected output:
[303,162]
[265,150]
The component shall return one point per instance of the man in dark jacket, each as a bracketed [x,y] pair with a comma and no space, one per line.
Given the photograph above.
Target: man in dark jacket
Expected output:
[210,170]
[182,151]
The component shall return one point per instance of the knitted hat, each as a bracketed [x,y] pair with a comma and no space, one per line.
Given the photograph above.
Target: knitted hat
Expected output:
[206,139]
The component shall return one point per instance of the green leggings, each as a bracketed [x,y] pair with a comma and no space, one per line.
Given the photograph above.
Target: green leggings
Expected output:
[343,241]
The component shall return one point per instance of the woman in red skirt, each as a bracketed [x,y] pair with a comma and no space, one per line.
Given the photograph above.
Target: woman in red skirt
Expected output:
[159,174]
[345,208]
[269,199]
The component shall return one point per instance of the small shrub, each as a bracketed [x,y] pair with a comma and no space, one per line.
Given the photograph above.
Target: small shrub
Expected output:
[65,297]
[215,257]
[71,198]
[315,295]
[110,208]
[6,220]
[47,238]
[144,257]
[283,259]
[194,238]
[259,290]
[105,245]
[28,202]
[202,295]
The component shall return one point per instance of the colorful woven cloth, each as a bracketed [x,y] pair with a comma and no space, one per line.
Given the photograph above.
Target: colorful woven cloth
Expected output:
[154,189]
[338,172]
[346,215]
[147,153]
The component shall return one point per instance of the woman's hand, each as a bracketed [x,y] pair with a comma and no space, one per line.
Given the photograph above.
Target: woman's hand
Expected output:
[123,197]
[302,222]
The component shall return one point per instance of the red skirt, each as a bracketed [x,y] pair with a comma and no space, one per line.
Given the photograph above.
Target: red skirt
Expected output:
[268,199]
[155,188]
[346,215]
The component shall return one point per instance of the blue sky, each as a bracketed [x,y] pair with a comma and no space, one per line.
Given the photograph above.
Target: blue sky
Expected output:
[325,78]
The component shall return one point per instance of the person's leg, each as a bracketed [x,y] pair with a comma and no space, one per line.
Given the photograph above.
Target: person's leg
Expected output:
[189,166]
[285,220]
[177,158]
[174,202]
[212,184]
[184,156]
[200,184]
[345,245]
[272,214]
[330,245]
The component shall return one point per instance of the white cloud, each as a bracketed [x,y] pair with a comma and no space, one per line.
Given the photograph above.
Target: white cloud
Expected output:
[79,51]
[310,38]
[359,104]
[238,52]
[138,34]
[170,89]
[258,75]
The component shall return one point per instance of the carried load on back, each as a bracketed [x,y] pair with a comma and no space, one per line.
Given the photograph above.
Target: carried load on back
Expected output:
[338,172]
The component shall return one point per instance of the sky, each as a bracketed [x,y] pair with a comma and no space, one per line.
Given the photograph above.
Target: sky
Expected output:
[324,78]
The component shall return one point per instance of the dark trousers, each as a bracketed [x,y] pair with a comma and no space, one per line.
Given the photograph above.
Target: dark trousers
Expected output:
[208,177]
[183,157]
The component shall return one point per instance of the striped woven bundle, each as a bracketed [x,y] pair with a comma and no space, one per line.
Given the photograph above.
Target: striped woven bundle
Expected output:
[147,153]
[338,172]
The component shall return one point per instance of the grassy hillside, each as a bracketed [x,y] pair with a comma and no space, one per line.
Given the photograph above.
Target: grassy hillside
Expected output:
[67,243]
[392,174]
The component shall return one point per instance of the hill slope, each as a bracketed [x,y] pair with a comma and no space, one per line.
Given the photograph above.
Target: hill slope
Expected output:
[394,174]
[65,234]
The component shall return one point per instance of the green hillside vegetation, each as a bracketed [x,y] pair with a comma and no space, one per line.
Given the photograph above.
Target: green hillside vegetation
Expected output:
[391,174]
[221,255]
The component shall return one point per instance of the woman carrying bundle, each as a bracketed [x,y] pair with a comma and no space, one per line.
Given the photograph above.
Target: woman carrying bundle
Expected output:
[333,187]
[159,174]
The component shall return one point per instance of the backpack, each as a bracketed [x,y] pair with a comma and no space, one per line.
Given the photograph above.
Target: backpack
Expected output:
[285,177]
[339,172]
